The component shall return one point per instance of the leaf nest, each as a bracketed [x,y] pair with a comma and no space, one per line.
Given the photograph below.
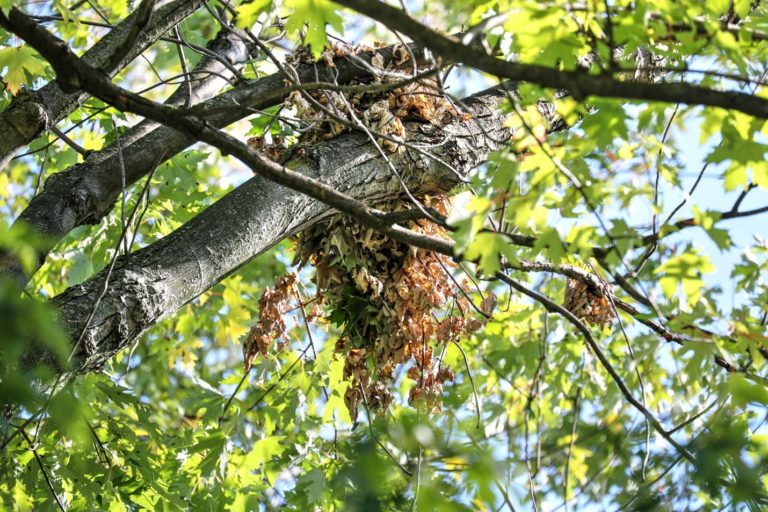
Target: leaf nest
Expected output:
[375,102]
[396,306]
[593,308]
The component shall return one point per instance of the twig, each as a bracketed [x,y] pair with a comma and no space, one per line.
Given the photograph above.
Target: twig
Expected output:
[309,331]
[375,437]
[105,286]
[418,479]
[101,450]
[463,291]
[556,308]
[231,398]
[280,379]
[184,70]
[44,471]
[471,381]
[693,418]
[685,199]
[121,161]
[504,495]
[572,443]
[39,179]
[656,182]
[647,455]
[742,196]
[74,145]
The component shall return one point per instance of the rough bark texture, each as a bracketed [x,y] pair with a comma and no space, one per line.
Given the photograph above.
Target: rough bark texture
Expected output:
[153,283]
[86,192]
[31,112]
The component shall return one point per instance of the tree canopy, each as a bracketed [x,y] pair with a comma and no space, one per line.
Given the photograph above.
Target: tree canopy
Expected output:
[359,256]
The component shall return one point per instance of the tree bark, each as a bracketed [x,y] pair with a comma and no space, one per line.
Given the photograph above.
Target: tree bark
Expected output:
[32,112]
[154,282]
[86,192]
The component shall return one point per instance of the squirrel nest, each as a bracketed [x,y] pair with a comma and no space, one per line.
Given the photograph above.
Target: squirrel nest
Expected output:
[395,305]
[380,108]
[590,307]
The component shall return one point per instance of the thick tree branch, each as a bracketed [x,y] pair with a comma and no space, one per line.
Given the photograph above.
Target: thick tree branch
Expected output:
[141,300]
[154,282]
[85,193]
[31,112]
[580,83]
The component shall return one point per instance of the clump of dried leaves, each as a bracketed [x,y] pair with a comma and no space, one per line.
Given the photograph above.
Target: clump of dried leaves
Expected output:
[395,305]
[324,114]
[583,303]
[272,306]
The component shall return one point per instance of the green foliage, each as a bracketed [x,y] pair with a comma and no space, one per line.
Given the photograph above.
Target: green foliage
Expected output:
[20,64]
[248,13]
[637,191]
[316,14]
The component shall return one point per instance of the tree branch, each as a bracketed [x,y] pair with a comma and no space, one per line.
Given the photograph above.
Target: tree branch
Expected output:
[86,192]
[31,112]
[580,83]
[597,351]
[156,281]
[153,283]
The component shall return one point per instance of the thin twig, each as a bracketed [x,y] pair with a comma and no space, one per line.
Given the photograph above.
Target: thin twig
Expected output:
[183,62]
[471,381]
[307,328]
[280,379]
[118,142]
[231,398]
[556,308]
[44,471]
[418,478]
[74,145]
[105,286]
[375,437]
[572,442]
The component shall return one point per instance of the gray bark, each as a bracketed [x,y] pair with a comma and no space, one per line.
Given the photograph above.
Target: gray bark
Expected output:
[154,282]
[32,112]
[86,192]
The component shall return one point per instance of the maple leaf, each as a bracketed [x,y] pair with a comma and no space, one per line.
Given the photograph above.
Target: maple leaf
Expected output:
[21,63]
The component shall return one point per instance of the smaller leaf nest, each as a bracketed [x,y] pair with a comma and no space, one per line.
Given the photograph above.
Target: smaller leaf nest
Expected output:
[593,308]
[394,304]
[325,114]
[273,304]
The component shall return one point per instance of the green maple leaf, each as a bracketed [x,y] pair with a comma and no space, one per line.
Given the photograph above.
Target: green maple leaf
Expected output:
[248,13]
[22,62]
[316,14]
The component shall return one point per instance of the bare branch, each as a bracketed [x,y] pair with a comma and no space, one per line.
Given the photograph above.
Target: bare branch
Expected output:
[580,83]
[32,112]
